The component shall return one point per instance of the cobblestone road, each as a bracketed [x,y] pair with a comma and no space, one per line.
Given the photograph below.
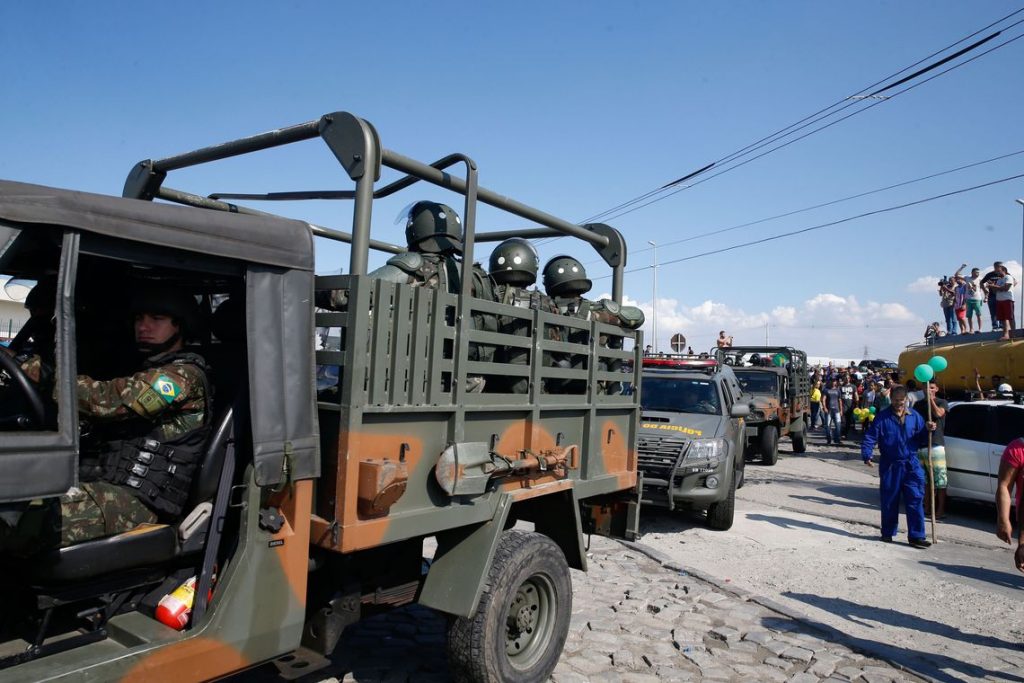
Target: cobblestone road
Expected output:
[634,620]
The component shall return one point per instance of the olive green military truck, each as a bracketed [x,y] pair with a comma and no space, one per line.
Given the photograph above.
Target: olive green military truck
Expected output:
[776,379]
[308,510]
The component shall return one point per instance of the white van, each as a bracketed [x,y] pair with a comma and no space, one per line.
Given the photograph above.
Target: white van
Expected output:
[976,434]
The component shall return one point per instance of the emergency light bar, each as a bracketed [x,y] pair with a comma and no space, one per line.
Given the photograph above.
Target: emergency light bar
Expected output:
[679,361]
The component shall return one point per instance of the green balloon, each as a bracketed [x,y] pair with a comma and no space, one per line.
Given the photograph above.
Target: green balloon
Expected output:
[872,410]
[938,363]
[923,372]
[779,360]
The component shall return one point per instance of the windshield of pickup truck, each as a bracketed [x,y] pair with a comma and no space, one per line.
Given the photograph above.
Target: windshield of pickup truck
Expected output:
[680,396]
[758,382]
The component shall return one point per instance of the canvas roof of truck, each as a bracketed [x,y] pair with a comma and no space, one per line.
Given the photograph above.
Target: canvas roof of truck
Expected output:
[255,239]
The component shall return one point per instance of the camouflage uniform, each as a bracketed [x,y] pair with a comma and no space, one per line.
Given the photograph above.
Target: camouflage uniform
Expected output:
[167,401]
[603,311]
[533,300]
[444,273]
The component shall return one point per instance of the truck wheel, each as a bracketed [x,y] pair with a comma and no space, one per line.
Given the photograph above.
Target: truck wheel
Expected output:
[799,442]
[721,514]
[521,623]
[769,445]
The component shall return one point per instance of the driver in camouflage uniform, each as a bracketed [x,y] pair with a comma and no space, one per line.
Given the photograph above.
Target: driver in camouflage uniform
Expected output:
[153,422]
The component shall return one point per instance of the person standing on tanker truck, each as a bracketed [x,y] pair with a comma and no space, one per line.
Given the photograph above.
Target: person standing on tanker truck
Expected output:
[899,431]
[152,427]
[1003,289]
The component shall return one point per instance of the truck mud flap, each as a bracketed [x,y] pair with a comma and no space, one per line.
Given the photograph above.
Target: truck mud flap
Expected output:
[616,515]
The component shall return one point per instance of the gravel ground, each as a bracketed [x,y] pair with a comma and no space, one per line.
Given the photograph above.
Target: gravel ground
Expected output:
[806,535]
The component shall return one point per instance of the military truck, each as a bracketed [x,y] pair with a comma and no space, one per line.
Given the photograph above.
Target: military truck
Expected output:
[309,513]
[779,386]
[691,438]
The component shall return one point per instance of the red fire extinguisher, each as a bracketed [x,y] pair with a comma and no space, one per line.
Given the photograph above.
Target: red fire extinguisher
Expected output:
[175,608]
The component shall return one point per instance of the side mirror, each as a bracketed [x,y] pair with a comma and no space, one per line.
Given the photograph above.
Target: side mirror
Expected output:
[739,410]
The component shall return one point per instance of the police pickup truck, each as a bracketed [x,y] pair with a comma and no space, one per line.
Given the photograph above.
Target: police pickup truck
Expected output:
[690,445]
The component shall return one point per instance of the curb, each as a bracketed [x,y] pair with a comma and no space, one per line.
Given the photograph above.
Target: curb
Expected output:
[833,634]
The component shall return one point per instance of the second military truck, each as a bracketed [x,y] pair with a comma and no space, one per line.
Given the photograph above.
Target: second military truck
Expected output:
[776,379]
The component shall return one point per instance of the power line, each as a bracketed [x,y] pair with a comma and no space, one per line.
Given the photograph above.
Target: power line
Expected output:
[829,224]
[828,203]
[812,132]
[768,139]
[821,226]
[783,132]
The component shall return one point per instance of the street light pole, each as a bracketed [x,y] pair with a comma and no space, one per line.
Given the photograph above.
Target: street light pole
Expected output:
[1020,303]
[654,304]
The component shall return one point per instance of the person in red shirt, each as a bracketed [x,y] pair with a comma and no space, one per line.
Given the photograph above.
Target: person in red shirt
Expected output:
[1011,473]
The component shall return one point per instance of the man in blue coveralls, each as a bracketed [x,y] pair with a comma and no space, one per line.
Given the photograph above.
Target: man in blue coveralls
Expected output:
[899,430]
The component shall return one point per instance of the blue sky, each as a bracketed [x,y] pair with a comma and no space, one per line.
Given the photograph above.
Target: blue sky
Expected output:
[572,107]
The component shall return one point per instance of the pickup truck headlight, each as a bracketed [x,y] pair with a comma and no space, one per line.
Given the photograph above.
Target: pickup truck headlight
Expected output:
[705,450]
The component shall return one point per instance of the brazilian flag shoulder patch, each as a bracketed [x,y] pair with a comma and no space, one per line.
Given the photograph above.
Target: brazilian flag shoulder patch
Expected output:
[165,387]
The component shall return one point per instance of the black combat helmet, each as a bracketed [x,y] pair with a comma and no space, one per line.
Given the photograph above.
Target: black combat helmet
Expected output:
[565,276]
[433,228]
[514,262]
[170,301]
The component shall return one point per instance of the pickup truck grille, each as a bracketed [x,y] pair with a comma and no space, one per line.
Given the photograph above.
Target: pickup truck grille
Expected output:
[657,455]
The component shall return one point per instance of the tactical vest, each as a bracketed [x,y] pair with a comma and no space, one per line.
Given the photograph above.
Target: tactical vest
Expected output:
[159,472]
[444,274]
[520,327]
[604,311]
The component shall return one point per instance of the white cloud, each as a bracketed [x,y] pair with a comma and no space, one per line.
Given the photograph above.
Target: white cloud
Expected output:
[826,324]
[926,284]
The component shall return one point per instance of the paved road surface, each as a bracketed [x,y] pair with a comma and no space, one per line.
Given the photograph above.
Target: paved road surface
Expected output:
[806,535]
[799,590]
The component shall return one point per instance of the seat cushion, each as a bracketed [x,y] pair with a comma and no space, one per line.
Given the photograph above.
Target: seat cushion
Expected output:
[144,546]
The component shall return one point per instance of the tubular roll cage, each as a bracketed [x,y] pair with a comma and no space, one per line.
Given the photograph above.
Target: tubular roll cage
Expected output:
[356,145]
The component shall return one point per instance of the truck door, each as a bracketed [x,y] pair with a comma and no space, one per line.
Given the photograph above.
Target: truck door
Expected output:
[38,421]
[968,450]
[1009,426]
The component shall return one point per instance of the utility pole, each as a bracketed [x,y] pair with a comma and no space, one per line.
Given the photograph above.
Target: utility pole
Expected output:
[654,303]
[766,342]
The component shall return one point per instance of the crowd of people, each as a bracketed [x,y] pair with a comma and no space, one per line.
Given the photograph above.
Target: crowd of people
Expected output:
[842,398]
[962,300]
[906,423]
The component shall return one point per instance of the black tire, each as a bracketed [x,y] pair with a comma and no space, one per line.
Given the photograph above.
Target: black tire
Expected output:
[722,513]
[799,442]
[769,445]
[521,623]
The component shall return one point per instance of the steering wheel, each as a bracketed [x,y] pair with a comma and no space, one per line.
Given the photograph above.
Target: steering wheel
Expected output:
[37,411]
